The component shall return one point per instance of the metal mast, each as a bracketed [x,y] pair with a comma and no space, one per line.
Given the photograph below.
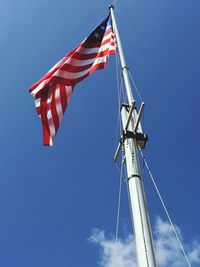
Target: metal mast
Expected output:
[132,139]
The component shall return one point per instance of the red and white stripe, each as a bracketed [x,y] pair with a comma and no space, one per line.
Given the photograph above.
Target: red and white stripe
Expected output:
[53,91]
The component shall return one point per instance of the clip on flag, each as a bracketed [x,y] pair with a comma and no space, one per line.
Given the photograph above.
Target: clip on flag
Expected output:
[52,92]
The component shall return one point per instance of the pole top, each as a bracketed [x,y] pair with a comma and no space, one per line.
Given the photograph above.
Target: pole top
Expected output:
[111,6]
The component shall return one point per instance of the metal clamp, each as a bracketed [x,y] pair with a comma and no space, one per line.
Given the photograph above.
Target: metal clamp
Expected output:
[133,175]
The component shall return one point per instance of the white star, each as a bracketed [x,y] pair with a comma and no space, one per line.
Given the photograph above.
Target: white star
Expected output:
[96,35]
[102,28]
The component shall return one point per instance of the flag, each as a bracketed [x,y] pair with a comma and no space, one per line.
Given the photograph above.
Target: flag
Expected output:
[53,91]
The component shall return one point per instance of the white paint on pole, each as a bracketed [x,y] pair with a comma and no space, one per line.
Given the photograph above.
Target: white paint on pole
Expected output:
[122,59]
[142,228]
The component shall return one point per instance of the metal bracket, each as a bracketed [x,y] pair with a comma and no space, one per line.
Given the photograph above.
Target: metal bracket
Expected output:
[139,117]
[132,176]
[125,68]
[122,136]
[141,138]
[130,115]
[118,149]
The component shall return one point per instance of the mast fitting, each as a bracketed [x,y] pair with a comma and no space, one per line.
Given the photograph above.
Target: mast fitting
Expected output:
[140,138]
[133,176]
[111,6]
[125,68]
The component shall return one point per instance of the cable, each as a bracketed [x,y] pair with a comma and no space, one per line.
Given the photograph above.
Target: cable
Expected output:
[119,203]
[139,96]
[119,94]
[124,97]
[135,86]
[165,209]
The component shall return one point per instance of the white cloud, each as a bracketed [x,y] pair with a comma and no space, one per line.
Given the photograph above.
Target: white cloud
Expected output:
[119,254]
[122,253]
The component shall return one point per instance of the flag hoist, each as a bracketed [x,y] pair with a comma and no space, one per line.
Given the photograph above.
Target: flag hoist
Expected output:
[52,93]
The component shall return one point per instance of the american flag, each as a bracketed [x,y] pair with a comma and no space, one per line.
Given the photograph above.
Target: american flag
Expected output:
[53,91]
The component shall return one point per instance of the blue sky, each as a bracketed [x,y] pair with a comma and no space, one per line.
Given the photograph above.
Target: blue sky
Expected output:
[52,199]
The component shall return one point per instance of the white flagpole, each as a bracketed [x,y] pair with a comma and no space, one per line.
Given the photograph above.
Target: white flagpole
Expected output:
[143,235]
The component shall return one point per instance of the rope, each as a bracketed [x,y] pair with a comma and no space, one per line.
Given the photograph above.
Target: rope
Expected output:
[120,96]
[139,95]
[129,199]
[119,203]
[165,209]
[124,97]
